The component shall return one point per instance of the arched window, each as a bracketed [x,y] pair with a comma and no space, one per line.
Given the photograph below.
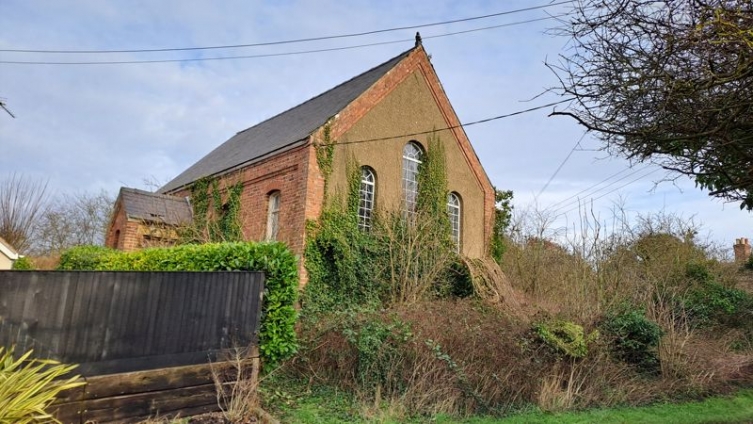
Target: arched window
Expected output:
[453,211]
[412,155]
[366,198]
[273,215]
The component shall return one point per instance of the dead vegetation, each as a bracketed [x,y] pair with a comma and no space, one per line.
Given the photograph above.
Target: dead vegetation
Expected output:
[480,355]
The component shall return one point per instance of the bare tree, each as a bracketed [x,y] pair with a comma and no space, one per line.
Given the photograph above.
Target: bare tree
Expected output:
[666,81]
[73,220]
[22,201]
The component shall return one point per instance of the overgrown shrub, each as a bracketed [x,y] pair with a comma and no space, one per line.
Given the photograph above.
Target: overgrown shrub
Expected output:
[565,337]
[23,264]
[633,337]
[28,386]
[277,334]
[711,303]
[405,257]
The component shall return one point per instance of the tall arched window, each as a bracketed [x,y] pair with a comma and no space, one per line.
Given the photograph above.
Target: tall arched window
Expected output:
[366,198]
[273,215]
[412,155]
[453,211]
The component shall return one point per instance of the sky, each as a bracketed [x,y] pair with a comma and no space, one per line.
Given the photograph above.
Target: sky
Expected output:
[87,128]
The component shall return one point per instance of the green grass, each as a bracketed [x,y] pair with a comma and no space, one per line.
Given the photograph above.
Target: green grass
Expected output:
[329,406]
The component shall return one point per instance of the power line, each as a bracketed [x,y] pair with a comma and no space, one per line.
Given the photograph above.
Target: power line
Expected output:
[294,41]
[257,56]
[555,206]
[567,204]
[452,127]
[612,191]
[556,171]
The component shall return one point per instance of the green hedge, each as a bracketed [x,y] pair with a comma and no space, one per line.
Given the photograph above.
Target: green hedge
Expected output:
[277,334]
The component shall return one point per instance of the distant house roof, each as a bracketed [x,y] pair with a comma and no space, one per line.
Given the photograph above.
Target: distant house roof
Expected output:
[153,207]
[8,250]
[283,131]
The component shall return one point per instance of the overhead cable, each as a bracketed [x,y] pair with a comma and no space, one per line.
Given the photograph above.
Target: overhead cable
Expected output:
[293,41]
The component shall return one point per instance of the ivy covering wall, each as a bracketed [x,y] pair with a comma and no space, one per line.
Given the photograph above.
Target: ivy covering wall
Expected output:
[405,257]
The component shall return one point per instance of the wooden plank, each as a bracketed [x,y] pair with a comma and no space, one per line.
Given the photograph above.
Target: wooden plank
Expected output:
[146,381]
[148,404]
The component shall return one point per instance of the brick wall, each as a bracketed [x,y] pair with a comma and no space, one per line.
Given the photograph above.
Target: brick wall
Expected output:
[418,60]
[123,233]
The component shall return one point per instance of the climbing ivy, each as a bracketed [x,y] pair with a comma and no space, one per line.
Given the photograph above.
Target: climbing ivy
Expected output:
[502,217]
[404,258]
[214,219]
[325,155]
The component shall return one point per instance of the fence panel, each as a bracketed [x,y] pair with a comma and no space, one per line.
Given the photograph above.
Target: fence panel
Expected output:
[110,322]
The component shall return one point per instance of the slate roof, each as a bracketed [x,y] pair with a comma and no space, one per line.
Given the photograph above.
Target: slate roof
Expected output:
[153,207]
[284,131]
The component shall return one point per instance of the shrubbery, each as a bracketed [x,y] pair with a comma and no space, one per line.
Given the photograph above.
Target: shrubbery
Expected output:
[565,337]
[634,338]
[23,264]
[277,334]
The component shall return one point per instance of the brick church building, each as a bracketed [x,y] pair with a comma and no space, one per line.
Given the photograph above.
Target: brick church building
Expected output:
[381,118]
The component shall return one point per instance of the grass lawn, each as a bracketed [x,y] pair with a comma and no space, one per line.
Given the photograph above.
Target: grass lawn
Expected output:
[338,408]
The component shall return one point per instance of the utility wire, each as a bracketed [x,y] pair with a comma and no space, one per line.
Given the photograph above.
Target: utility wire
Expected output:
[556,205]
[567,204]
[556,171]
[452,127]
[256,56]
[294,41]
[612,191]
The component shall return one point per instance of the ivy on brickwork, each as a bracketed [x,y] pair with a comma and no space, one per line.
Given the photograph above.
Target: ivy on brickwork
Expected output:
[404,258]
[325,155]
[215,219]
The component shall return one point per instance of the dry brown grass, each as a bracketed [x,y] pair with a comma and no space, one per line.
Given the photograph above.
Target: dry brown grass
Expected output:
[470,356]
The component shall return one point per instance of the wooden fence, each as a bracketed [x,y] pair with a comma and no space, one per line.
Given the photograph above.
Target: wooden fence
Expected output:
[142,339]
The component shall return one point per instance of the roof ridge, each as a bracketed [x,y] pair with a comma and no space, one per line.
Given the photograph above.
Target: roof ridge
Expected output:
[152,194]
[285,129]
[405,53]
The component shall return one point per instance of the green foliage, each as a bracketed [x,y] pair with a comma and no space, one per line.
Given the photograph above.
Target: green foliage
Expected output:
[325,155]
[28,386]
[339,261]
[214,219]
[565,337]
[84,257]
[711,303]
[459,279]
[277,334]
[23,264]
[502,217]
[350,268]
[378,347]
[634,337]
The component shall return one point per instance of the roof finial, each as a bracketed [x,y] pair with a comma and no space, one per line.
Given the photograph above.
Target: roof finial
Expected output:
[418,38]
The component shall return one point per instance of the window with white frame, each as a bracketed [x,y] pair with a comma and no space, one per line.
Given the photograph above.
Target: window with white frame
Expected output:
[366,198]
[453,212]
[412,155]
[273,215]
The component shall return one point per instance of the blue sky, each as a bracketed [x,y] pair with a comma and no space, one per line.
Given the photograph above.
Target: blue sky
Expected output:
[87,128]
